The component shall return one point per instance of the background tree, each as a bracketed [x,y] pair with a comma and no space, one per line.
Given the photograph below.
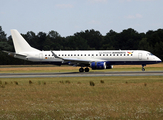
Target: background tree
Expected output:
[128,39]
[53,41]
[76,43]
[41,37]
[94,38]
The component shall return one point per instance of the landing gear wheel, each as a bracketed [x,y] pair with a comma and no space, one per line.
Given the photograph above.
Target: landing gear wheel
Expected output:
[86,69]
[81,70]
[143,69]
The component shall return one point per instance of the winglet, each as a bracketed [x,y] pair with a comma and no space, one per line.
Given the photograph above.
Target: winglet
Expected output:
[56,55]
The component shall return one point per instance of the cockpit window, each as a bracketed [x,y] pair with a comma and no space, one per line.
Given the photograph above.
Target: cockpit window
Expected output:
[150,54]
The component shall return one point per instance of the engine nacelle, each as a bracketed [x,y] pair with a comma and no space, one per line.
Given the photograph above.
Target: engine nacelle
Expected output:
[109,67]
[98,65]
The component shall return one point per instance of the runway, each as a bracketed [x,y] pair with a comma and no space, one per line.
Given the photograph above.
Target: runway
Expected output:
[77,74]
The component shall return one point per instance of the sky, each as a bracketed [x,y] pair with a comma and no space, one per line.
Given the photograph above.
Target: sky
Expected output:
[71,16]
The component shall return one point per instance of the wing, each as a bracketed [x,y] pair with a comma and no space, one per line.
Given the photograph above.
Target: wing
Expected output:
[75,60]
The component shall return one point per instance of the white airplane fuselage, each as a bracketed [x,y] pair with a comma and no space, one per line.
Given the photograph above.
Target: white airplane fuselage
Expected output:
[114,57]
[95,59]
[106,58]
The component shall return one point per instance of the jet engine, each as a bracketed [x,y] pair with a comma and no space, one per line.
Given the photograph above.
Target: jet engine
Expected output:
[98,65]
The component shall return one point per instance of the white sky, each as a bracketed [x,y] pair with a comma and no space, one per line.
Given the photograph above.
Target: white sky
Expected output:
[70,16]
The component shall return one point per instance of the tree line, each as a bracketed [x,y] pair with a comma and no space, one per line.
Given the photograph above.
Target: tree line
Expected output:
[128,39]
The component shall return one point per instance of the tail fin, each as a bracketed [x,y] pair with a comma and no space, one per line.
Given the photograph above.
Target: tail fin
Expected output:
[20,44]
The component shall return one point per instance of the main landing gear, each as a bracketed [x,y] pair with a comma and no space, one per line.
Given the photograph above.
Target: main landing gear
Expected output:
[143,69]
[82,69]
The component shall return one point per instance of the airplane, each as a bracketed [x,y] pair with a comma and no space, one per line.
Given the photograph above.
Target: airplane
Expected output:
[95,59]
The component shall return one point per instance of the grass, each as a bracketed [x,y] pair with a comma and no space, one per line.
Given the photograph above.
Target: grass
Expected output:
[117,98]
[51,68]
[37,69]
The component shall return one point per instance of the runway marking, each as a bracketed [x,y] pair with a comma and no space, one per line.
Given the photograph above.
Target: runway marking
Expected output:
[77,74]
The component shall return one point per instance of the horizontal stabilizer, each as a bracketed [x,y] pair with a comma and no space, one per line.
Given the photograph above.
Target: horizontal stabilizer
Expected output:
[13,54]
[9,53]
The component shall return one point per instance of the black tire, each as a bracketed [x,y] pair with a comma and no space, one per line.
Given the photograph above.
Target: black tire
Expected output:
[81,70]
[143,69]
[86,69]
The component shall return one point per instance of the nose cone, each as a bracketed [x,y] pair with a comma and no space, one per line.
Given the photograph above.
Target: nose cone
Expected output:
[158,60]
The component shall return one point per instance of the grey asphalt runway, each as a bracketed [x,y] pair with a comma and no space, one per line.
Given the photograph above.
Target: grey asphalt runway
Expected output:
[77,74]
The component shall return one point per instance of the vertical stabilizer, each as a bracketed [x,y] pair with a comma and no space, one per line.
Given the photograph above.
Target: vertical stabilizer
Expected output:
[20,44]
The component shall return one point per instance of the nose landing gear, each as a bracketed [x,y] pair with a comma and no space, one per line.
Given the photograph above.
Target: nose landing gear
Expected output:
[143,69]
